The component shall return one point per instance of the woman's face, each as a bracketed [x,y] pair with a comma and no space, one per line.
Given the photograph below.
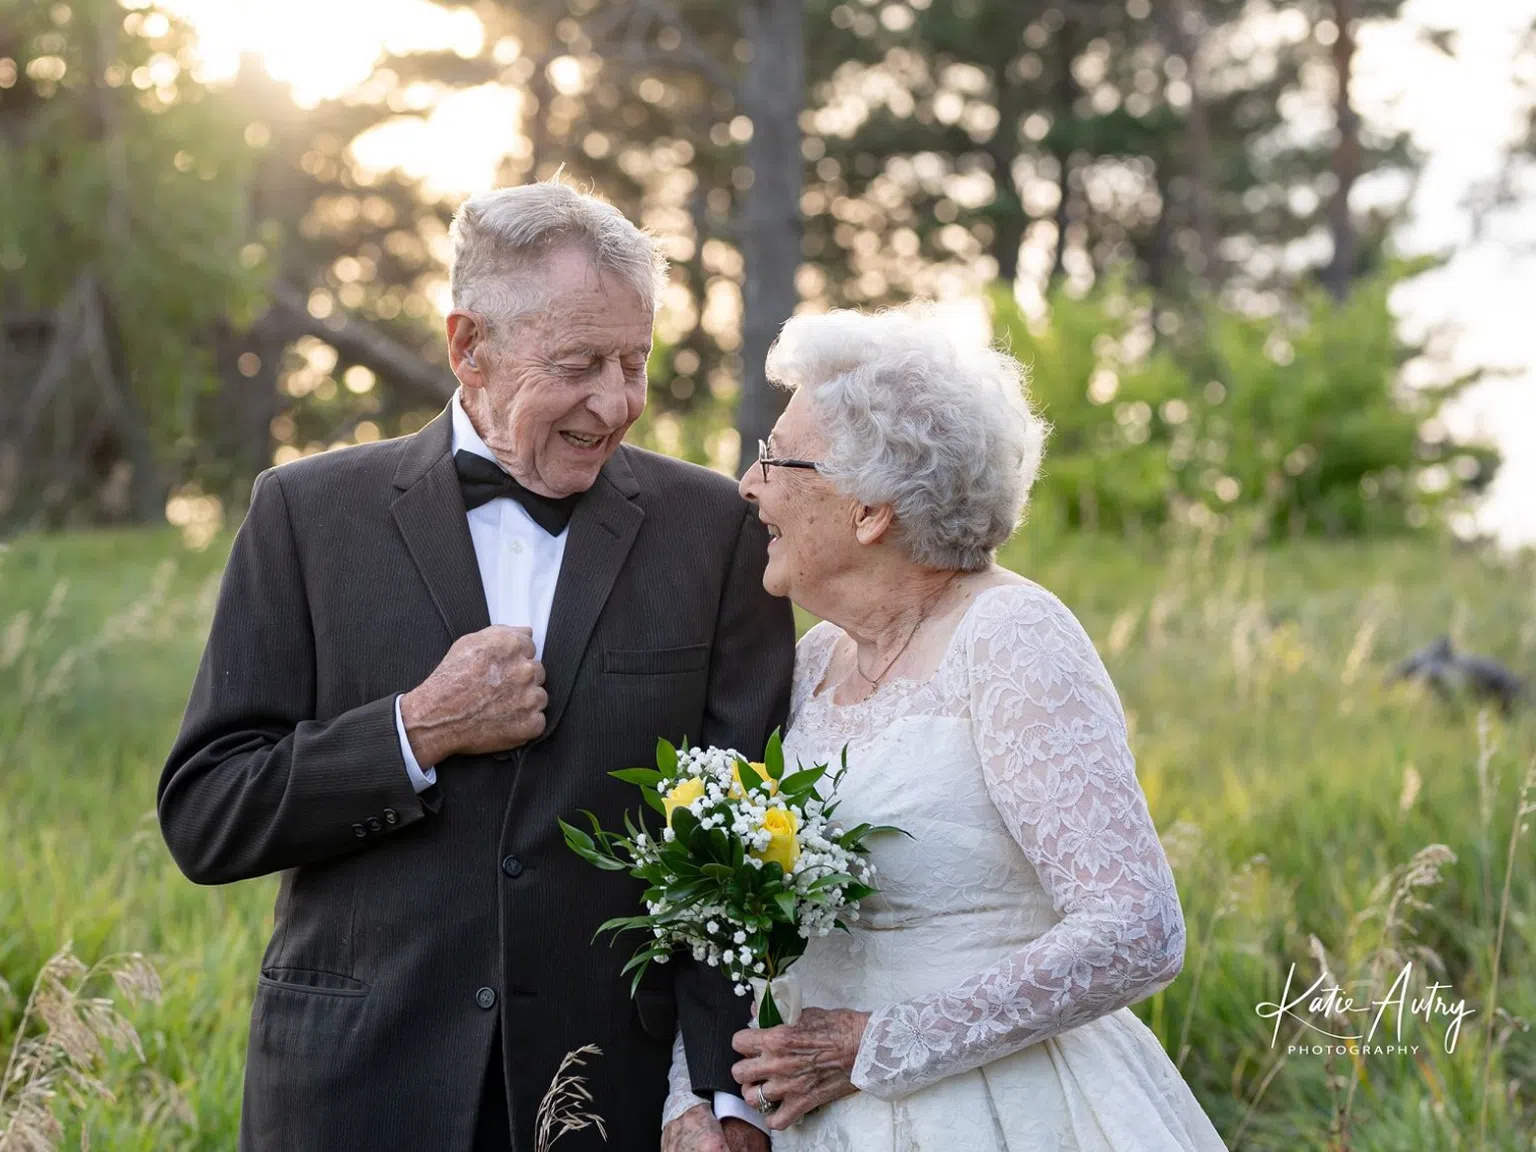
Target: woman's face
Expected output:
[809,522]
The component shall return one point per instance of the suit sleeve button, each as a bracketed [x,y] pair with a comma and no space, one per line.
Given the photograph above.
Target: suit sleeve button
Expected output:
[486,998]
[391,816]
[374,825]
[359,831]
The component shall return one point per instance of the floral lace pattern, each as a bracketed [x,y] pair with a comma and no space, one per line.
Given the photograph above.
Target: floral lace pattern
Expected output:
[1049,732]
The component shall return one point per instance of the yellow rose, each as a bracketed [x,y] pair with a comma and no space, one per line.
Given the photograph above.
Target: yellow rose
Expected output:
[783,849]
[684,794]
[769,782]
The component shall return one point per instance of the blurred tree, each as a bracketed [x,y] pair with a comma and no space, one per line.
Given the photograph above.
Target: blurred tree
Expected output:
[119,239]
[686,115]
[1297,425]
[1185,141]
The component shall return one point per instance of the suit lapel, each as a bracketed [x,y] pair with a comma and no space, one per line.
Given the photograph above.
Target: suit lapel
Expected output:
[430,514]
[602,531]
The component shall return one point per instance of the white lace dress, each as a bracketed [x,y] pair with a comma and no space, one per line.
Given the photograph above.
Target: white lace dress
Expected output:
[1033,904]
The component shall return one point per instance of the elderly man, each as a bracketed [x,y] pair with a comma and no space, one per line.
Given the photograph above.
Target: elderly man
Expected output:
[427,650]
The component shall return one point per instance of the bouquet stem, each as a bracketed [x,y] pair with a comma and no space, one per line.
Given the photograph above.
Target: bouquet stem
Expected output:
[775,1001]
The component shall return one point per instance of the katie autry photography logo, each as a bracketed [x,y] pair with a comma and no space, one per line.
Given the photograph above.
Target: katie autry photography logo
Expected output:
[1398,1021]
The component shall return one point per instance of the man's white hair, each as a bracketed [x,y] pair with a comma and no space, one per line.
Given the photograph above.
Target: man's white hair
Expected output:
[923,416]
[501,237]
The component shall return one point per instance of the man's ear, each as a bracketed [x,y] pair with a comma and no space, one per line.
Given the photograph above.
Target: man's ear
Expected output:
[466,347]
[872,521]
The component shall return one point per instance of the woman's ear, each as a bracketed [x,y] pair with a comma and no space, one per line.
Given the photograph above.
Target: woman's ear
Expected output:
[466,342]
[872,521]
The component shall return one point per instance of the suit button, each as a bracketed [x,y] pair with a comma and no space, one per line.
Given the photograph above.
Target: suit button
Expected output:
[486,998]
[359,831]
[391,816]
[512,866]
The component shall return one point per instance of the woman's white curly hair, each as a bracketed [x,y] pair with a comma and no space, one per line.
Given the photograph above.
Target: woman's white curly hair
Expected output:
[921,415]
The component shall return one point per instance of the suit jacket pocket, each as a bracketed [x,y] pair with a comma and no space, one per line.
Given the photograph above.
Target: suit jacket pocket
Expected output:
[658,1014]
[656,661]
[312,980]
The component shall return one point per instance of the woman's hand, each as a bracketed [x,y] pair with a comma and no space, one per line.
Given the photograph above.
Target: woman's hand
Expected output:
[800,1066]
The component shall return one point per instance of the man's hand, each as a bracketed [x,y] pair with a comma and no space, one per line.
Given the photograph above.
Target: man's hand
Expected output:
[696,1130]
[486,695]
[742,1137]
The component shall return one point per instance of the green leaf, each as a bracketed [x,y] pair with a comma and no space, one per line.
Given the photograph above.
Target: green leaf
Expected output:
[642,958]
[653,801]
[684,823]
[666,758]
[621,924]
[768,1015]
[645,777]
[786,903]
[773,756]
[634,985]
[578,840]
[801,783]
[749,777]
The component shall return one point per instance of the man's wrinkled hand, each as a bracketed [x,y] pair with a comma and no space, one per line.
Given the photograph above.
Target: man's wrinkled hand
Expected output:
[697,1130]
[743,1137]
[486,695]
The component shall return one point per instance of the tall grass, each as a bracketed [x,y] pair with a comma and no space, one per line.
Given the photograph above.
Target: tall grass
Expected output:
[1315,815]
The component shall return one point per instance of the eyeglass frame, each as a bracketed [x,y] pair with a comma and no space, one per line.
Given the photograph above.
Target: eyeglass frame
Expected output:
[766,461]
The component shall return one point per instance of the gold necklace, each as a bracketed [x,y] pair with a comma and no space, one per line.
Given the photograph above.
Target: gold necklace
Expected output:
[891,663]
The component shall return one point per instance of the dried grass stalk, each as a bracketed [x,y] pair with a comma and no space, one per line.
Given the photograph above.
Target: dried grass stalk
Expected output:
[567,1106]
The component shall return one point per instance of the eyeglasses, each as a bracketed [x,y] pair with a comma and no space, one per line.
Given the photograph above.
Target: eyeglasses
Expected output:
[765,461]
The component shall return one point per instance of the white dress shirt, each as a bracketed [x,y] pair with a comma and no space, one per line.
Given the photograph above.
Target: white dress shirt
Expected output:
[519,565]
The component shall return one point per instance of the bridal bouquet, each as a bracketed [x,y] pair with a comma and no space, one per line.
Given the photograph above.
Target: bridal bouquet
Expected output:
[747,868]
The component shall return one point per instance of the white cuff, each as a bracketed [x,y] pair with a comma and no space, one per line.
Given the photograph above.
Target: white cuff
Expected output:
[730,1105]
[421,779]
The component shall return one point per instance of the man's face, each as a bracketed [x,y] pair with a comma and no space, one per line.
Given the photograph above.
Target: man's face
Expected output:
[560,388]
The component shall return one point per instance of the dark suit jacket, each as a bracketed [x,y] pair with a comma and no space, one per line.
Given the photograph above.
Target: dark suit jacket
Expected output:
[407,925]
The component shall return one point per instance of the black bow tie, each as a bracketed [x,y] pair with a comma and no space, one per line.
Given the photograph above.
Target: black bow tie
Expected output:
[482,481]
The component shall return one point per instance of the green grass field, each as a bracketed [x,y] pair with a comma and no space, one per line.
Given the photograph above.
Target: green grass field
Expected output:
[1293,788]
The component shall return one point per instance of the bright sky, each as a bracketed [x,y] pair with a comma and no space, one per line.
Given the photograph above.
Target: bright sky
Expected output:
[1461,111]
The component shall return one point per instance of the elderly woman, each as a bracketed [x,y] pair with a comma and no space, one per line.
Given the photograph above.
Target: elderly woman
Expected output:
[980,1002]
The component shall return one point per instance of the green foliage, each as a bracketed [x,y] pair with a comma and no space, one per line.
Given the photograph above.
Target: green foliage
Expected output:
[121,167]
[1287,425]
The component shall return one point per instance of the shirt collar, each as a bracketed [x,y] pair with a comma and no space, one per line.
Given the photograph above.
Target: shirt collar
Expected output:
[465,438]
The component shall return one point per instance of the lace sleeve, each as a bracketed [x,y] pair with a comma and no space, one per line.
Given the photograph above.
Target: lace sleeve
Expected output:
[1052,741]
[680,1094]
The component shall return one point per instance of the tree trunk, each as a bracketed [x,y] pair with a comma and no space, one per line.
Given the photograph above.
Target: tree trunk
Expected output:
[772,97]
[1183,40]
[1009,220]
[1065,92]
[1346,158]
